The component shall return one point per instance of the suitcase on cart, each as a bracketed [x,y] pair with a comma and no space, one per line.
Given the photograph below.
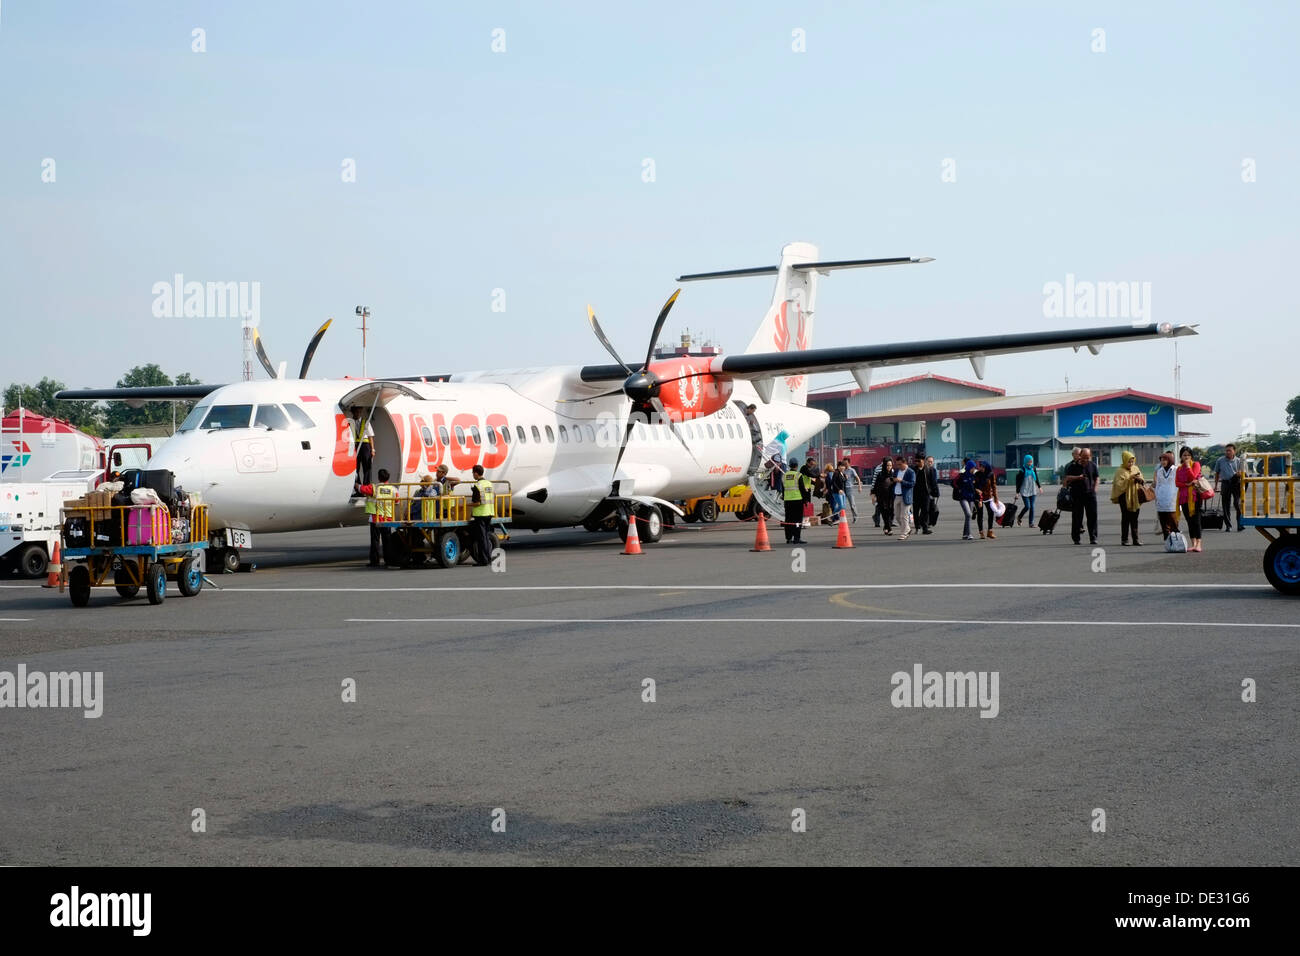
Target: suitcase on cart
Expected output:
[1047,521]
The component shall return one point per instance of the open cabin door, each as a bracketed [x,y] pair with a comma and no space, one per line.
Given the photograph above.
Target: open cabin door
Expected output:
[366,408]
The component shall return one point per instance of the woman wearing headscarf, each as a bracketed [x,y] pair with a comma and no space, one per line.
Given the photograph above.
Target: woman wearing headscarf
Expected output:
[1124,492]
[1189,496]
[1167,494]
[967,497]
[1028,489]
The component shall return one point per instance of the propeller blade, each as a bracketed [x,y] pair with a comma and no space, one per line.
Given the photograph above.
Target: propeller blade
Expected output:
[261,354]
[672,427]
[617,391]
[659,327]
[627,433]
[600,334]
[311,348]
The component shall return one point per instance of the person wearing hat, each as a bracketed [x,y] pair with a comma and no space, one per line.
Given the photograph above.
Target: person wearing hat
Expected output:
[428,489]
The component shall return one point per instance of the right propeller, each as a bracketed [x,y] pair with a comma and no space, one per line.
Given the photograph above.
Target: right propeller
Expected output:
[641,386]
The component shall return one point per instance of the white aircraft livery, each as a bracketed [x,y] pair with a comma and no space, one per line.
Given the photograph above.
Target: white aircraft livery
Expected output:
[575,443]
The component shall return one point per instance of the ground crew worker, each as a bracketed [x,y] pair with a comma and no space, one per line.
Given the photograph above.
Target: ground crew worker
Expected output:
[483,510]
[794,484]
[381,500]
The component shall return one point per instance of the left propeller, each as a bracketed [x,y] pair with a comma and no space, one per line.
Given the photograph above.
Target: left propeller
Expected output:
[306,358]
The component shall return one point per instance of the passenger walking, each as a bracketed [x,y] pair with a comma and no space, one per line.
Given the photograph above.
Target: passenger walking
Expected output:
[1028,488]
[904,486]
[1125,491]
[986,484]
[1228,470]
[836,489]
[932,482]
[1166,494]
[921,496]
[852,485]
[1081,478]
[482,511]
[1188,479]
[967,497]
[381,501]
[882,495]
[793,487]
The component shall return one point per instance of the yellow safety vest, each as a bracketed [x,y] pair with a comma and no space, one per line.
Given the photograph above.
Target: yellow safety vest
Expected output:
[487,500]
[791,482]
[381,505]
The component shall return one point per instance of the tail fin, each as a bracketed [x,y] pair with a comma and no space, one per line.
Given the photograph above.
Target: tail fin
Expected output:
[787,325]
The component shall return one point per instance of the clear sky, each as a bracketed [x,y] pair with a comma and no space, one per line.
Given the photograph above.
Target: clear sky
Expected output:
[522,170]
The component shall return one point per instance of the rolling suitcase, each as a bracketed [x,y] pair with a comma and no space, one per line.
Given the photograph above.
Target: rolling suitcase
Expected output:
[1211,516]
[1009,516]
[1047,521]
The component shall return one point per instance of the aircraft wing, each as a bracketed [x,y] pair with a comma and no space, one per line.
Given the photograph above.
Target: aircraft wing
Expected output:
[144,393]
[763,367]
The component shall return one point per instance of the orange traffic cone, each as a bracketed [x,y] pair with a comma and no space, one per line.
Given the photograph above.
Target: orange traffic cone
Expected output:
[633,539]
[56,568]
[760,536]
[843,541]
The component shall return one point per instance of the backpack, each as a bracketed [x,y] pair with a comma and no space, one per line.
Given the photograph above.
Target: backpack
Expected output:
[1176,543]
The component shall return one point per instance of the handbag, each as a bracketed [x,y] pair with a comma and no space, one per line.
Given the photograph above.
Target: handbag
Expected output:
[1203,487]
[1063,502]
[1146,493]
[1176,543]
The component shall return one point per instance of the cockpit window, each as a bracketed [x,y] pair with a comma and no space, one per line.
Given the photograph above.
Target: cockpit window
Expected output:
[300,419]
[193,418]
[228,416]
[270,416]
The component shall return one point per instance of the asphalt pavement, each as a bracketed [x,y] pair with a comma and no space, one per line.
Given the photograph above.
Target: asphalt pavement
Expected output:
[506,717]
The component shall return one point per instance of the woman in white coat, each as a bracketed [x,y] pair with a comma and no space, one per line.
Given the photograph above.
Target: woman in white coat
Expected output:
[1166,494]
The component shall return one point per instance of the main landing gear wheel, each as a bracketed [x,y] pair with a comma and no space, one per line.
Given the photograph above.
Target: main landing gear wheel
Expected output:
[1282,564]
[79,586]
[651,526]
[449,550]
[125,586]
[189,579]
[155,581]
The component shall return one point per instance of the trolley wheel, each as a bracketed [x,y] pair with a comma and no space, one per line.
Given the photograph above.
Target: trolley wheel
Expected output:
[708,509]
[155,582]
[79,585]
[230,560]
[1282,564]
[125,586]
[34,562]
[189,579]
[449,551]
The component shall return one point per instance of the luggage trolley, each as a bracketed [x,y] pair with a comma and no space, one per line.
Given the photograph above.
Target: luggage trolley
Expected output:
[1268,493]
[129,547]
[440,526]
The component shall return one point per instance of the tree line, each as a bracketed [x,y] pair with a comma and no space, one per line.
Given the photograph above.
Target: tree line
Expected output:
[102,418]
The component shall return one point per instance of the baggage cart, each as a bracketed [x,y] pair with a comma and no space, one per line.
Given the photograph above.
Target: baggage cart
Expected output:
[129,547]
[1268,493]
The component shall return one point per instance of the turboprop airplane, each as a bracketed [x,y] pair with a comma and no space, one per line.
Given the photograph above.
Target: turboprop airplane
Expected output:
[576,443]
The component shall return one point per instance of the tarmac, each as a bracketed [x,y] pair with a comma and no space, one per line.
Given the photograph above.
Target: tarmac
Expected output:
[1145,710]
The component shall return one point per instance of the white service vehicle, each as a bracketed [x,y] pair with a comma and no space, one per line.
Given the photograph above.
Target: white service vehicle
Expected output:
[31,518]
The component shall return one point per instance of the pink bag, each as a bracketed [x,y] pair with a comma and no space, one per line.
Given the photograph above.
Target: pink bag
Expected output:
[148,526]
